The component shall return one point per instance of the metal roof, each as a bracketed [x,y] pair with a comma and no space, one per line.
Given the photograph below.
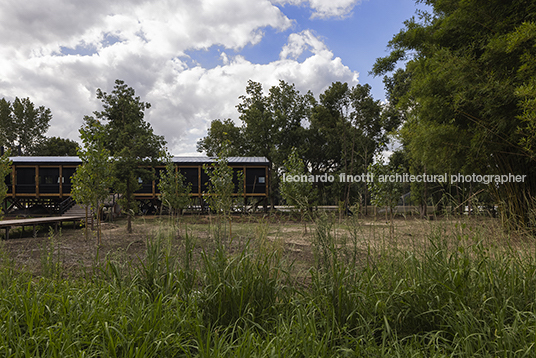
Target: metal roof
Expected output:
[230,160]
[176,159]
[51,159]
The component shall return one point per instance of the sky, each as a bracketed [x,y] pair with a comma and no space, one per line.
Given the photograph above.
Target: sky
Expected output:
[191,60]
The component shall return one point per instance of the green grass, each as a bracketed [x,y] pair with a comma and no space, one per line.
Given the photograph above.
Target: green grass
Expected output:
[458,295]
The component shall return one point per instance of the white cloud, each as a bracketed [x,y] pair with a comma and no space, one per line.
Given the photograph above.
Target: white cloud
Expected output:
[300,42]
[143,43]
[41,27]
[325,8]
[201,95]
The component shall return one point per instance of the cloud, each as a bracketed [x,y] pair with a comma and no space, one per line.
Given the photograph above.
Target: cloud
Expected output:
[298,43]
[59,52]
[41,27]
[201,95]
[325,8]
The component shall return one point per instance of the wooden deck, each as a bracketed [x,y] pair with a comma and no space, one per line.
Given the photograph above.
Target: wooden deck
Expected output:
[8,224]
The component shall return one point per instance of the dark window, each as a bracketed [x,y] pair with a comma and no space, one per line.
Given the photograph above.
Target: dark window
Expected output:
[25,180]
[192,176]
[255,180]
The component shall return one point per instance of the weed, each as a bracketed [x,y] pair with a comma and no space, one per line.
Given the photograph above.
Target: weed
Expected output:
[459,294]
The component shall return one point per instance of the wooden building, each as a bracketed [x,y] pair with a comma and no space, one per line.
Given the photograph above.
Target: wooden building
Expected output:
[46,181]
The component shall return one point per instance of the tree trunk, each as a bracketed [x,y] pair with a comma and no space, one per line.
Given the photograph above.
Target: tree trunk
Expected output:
[129,216]
[99,212]
[87,218]
[129,224]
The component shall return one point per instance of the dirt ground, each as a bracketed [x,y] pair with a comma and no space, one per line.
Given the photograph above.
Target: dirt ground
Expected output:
[296,240]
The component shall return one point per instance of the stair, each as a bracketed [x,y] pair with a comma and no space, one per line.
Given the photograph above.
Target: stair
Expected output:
[76,210]
[79,210]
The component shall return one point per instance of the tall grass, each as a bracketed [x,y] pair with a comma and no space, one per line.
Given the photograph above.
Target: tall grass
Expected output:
[458,295]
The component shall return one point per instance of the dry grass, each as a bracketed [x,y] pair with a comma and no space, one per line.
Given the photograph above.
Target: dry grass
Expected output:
[355,287]
[76,255]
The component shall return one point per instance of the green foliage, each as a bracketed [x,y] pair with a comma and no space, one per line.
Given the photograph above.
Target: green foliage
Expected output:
[384,192]
[174,191]
[523,41]
[456,296]
[272,122]
[219,195]
[131,142]
[5,170]
[247,285]
[56,146]
[338,133]
[299,194]
[467,92]
[92,180]
[271,126]
[219,133]
[22,125]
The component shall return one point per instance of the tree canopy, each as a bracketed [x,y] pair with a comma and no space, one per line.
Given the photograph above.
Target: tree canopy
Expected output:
[56,146]
[467,91]
[22,125]
[5,170]
[134,147]
[339,132]
[92,181]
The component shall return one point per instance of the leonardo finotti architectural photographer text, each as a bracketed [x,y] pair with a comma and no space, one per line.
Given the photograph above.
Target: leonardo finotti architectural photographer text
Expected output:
[406,178]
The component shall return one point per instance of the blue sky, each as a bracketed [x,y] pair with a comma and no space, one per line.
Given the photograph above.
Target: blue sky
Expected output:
[190,59]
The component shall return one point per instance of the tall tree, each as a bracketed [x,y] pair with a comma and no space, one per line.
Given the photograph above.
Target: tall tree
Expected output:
[93,179]
[22,125]
[369,130]
[346,130]
[328,132]
[469,64]
[219,133]
[131,141]
[340,132]
[272,123]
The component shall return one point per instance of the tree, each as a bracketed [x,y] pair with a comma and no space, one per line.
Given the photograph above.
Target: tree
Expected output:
[294,190]
[470,68]
[92,180]
[131,142]
[368,133]
[346,130]
[5,170]
[174,192]
[56,146]
[522,41]
[22,126]
[385,191]
[271,125]
[219,133]
[221,187]
[219,195]
[340,132]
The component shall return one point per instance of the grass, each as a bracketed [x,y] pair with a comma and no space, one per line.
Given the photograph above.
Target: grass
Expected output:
[457,290]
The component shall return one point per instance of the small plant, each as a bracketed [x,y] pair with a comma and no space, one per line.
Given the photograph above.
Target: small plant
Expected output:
[383,190]
[174,192]
[220,191]
[299,194]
